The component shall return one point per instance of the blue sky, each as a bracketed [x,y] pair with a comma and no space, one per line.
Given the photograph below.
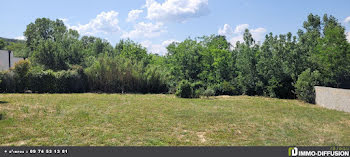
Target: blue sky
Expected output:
[156,23]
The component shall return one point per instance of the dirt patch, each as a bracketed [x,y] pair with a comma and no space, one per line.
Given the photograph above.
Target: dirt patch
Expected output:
[201,136]
[17,143]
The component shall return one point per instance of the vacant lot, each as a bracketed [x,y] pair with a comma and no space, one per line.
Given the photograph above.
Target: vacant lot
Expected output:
[133,119]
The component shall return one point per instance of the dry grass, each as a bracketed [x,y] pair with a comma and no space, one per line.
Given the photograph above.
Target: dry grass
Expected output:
[135,119]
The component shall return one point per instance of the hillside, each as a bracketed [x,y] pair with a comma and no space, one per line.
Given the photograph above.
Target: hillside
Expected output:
[12,40]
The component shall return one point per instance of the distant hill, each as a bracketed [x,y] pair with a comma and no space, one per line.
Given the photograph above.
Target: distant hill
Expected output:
[12,40]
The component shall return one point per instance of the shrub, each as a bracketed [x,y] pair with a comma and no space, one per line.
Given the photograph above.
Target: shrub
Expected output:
[197,85]
[197,89]
[228,88]
[184,90]
[8,83]
[153,81]
[21,71]
[209,92]
[105,75]
[71,81]
[217,88]
[304,87]
[42,81]
[198,92]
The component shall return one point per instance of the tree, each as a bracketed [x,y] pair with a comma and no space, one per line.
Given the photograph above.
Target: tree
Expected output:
[44,29]
[304,87]
[185,60]
[19,50]
[50,55]
[53,46]
[217,60]
[246,65]
[2,44]
[332,53]
[134,51]
[274,65]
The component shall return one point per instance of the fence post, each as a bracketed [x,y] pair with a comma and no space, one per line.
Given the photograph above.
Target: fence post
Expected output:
[9,58]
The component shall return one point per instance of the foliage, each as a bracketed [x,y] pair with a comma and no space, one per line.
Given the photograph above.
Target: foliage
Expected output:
[189,68]
[246,65]
[21,71]
[19,49]
[209,92]
[332,54]
[114,74]
[304,87]
[8,82]
[184,90]
[2,44]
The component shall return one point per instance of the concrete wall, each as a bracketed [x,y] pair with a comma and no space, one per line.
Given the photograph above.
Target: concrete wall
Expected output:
[4,60]
[333,98]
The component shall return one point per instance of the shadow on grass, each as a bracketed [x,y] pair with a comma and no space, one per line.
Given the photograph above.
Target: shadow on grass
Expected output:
[3,102]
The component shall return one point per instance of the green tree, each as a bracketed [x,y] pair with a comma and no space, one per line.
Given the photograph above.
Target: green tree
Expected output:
[305,86]
[274,65]
[185,60]
[20,50]
[44,29]
[2,44]
[134,51]
[332,54]
[246,65]
[50,55]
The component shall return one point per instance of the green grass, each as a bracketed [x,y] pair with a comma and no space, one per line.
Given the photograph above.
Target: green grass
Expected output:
[148,120]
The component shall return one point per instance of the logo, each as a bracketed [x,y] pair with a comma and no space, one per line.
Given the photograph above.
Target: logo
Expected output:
[292,151]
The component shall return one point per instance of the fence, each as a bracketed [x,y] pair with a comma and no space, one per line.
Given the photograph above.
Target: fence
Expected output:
[333,98]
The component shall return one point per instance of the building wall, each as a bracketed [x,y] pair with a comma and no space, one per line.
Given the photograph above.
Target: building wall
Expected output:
[4,60]
[333,98]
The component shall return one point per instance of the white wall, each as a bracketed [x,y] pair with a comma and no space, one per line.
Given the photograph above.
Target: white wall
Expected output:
[333,98]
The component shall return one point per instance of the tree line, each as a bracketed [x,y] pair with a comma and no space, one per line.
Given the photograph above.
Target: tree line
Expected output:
[58,60]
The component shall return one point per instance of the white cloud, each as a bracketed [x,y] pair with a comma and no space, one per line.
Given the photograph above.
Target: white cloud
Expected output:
[348,36]
[237,34]
[176,10]
[105,22]
[145,30]
[133,15]
[226,31]
[168,42]
[65,20]
[258,33]
[241,28]
[233,40]
[347,20]
[157,48]
[20,38]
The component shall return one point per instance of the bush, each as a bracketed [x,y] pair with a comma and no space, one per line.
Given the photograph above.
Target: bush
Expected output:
[304,87]
[228,88]
[198,92]
[217,88]
[21,71]
[71,81]
[209,92]
[197,89]
[184,90]
[42,81]
[8,83]
[154,81]
[197,85]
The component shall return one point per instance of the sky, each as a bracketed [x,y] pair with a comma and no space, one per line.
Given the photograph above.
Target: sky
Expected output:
[157,23]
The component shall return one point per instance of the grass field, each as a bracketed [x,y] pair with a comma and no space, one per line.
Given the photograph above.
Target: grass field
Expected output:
[135,119]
